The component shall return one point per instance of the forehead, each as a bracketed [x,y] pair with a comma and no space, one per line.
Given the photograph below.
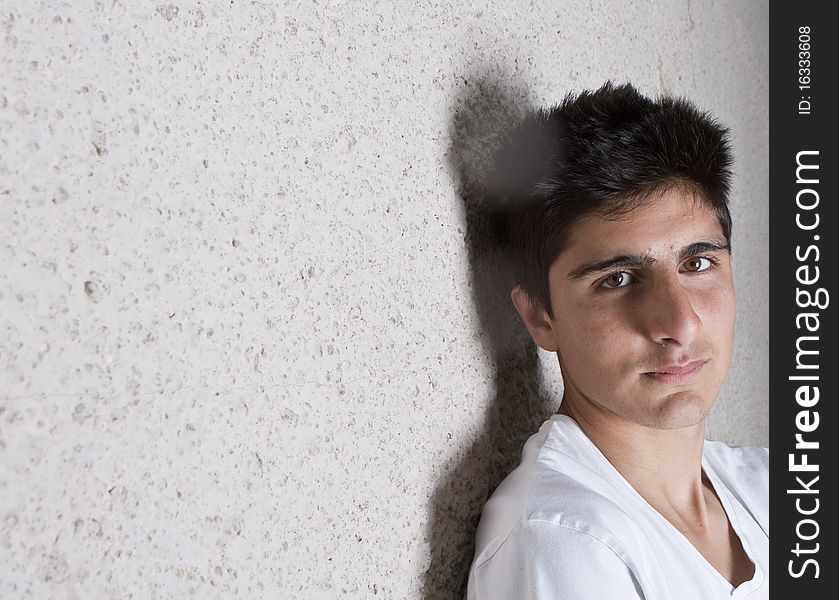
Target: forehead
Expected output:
[663,224]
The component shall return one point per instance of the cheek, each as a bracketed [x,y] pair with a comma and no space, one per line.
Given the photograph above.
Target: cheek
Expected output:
[712,295]
[720,310]
[591,338]
[718,315]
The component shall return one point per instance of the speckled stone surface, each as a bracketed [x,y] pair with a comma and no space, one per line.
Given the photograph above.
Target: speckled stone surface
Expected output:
[253,340]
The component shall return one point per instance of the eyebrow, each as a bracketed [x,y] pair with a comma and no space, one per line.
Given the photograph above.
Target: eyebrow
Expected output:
[644,260]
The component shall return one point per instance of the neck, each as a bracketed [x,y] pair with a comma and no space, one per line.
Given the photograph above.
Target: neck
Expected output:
[663,465]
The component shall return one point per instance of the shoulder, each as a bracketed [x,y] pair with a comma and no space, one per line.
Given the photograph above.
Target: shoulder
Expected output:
[744,472]
[558,518]
[543,540]
[560,481]
[746,454]
[746,464]
[550,559]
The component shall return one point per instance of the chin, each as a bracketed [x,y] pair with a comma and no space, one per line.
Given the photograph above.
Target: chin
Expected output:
[679,410]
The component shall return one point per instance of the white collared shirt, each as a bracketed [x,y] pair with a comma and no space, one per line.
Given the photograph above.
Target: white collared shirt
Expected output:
[566,525]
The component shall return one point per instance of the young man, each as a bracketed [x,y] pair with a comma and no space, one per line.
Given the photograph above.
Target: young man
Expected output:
[615,210]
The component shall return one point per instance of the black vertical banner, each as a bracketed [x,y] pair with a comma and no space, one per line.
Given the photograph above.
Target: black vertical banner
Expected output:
[804,424]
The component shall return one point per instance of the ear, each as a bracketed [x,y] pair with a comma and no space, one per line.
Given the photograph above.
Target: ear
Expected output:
[535,319]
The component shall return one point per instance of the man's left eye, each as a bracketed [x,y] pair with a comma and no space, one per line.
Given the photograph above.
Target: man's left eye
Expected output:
[696,264]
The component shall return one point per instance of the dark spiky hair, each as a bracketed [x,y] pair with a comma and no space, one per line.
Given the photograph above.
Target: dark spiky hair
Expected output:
[602,152]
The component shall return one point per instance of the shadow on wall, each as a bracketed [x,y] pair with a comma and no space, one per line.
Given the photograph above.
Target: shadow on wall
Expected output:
[519,405]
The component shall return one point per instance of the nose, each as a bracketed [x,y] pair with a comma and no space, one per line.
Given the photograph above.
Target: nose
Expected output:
[668,314]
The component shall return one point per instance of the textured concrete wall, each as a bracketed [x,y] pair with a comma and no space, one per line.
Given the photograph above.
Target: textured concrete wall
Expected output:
[253,340]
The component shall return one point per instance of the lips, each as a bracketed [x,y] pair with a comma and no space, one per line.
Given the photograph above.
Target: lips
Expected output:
[677,374]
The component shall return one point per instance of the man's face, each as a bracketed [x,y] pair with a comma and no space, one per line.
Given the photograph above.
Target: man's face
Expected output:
[644,312]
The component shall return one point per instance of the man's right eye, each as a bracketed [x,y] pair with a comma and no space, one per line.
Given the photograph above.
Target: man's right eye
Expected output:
[616,280]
